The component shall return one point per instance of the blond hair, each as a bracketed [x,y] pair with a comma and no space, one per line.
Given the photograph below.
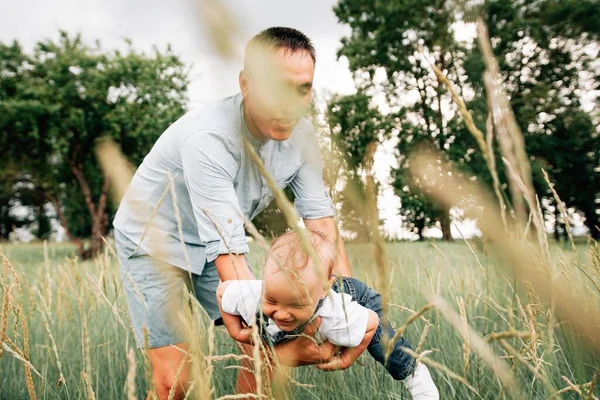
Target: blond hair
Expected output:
[288,252]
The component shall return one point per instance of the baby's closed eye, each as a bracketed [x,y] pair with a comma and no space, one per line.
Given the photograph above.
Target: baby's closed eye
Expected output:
[300,306]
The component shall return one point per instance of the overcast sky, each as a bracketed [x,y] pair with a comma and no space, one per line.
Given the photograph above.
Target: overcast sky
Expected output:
[179,23]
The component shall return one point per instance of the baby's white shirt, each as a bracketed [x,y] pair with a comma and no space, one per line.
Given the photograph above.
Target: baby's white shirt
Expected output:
[343,321]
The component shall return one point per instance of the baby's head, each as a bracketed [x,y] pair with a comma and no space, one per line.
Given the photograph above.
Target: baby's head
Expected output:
[293,286]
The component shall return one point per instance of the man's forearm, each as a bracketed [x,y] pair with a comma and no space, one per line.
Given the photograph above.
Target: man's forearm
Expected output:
[298,352]
[287,355]
[328,226]
[233,266]
[343,265]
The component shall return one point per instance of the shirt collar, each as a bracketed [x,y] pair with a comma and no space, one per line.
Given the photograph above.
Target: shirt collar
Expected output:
[256,143]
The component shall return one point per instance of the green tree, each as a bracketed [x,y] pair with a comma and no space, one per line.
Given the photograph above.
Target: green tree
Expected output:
[384,52]
[417,210]
[56,102]
[544,49]
[354,126]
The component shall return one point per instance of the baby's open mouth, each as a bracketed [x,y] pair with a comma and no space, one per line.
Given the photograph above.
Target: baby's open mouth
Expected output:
[281,323]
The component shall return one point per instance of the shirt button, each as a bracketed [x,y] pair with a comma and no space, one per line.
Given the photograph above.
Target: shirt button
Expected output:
[228,220]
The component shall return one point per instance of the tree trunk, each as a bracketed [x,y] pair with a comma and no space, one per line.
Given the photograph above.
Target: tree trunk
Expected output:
[97,213]
[420,225]
[591,221]
[63,222]
[445,212]
[43,228]
[99,223]
[445,224]
[5,221]
[438,90]
[557,225]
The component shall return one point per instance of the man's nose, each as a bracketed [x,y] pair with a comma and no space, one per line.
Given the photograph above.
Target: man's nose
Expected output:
[291,106]
[288,109]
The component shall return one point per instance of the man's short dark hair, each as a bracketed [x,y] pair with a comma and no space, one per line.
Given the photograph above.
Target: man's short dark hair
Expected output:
[281,37]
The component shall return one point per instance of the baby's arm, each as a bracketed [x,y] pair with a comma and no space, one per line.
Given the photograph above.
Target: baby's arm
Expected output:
[350,354]
[234,323]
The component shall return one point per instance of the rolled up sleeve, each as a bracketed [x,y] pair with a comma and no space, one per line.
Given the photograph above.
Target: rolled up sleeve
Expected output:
[311,197]
[209,169]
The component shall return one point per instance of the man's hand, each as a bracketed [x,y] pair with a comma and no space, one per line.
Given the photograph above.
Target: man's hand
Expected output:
[236,327]
[244,335]
[304,350]
[336,363]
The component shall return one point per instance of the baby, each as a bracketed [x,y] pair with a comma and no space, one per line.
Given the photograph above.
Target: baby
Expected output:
[295,293]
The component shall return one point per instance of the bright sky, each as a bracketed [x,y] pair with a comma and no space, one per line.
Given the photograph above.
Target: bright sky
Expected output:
[178,22]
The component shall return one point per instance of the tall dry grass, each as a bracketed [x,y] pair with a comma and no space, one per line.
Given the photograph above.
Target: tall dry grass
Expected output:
[537,348]
[519,332]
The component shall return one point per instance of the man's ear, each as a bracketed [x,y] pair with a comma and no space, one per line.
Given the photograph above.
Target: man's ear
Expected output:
[243,80]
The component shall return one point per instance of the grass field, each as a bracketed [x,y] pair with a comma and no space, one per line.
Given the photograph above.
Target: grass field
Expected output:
[58,314]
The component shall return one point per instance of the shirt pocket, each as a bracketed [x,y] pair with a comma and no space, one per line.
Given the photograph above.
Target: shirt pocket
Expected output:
[285,179]
[285,171]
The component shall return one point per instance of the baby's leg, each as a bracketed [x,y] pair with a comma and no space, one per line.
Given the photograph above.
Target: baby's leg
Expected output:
[402,367]
[399,364]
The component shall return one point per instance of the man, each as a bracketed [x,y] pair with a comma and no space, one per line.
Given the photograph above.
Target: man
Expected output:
[181,221]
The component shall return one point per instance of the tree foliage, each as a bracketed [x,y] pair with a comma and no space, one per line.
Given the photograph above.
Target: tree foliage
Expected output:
[354,125]
[383,50]
[547,61]
[56,102]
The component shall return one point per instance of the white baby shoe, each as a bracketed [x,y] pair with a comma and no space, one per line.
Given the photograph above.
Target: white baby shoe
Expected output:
[420,385]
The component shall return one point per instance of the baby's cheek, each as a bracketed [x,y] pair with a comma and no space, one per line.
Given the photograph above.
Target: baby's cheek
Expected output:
[267,310]
[304,316]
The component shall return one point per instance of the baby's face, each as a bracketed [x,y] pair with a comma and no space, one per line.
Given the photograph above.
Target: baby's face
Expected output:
[290,300]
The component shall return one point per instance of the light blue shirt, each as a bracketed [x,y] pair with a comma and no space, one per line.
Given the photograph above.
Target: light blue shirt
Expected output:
[198,172]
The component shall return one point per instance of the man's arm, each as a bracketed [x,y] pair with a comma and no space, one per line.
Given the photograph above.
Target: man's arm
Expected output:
[312,197]
[350,354]
[233,266]
[328,226]
[210,164]
[304,350]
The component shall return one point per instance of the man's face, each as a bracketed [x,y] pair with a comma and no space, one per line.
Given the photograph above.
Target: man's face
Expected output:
[277,92]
